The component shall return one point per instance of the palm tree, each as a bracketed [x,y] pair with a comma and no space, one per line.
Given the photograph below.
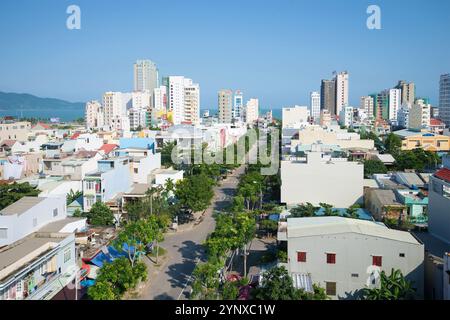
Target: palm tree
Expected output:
[352,212]
[328,209]
[392,287]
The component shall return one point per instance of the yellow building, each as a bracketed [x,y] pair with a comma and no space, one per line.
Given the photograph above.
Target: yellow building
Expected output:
[426,141]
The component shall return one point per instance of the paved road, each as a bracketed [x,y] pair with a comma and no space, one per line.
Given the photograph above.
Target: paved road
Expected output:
[184,249]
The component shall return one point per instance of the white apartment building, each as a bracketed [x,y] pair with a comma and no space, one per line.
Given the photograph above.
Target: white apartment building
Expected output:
[159,103]
[11,130]
[341,90]
[395,96]
[251,111]
[346,116]
[419,115]
[183,99]
[403,116]
[315,106]
[28,215]
[146,76]
[325,118]
[115,105]
[225,103]
[321,177]
[192,103]
[295,117]
[367,104]
[94,115]
[238,106]
[140,106]
[439,203]
[344,255]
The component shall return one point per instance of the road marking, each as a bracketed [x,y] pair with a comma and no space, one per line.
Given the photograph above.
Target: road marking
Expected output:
[189,278]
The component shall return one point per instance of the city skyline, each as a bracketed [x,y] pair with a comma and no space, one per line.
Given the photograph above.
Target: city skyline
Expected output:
[80,65]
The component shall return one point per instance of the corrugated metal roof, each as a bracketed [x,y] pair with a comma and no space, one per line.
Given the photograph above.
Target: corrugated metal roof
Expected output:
[303,281]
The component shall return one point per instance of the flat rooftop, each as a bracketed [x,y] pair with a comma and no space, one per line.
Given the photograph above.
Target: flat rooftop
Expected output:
[27,249]
[55,227]
[139,188]
[21,206]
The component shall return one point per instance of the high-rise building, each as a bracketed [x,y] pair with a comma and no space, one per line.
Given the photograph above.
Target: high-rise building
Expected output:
[408,92]
[394,104]
[192,103]
[159,103]
[251,111]
[346,116]
[403,116]
[328,96]
[238,105]
[183,99]
[315,106]
[341,80]
[381,105]
[420,115]
[444,99]
[140,108]
[94,115]
[146,76]
[225,103]
[115,105]
[367,104]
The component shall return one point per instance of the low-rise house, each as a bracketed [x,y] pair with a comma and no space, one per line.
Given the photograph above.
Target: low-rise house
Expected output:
[416,203]
[41,264]
[409,179]
[163,175]
[439,204]
[28,215]
[319,177]
[424,140]
[85,141]
[383,204]
[113,177]
[437,126]
[346,255]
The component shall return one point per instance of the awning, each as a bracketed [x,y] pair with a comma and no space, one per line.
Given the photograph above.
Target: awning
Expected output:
[303,281]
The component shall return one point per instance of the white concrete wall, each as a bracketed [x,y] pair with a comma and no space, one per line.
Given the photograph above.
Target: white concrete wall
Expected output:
[33,219]
[339,184]
[354,256]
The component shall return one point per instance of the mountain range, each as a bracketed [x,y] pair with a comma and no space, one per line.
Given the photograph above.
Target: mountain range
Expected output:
[25,101]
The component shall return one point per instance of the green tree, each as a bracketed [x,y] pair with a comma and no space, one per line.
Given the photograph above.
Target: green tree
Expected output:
[277,284]
[230,290]
[100,215]
[373,166]
[206,281]
[72,196]
[393,143]
[352,211]
[10,193]
[166,154]
[116,278]
[303,210]
[194,193]
[392,287]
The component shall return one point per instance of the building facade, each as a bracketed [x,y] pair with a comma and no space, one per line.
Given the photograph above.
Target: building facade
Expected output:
[341,81]
[315,106]
[251,111]
[146,76]
[225,104]
[444,99]
[328,96]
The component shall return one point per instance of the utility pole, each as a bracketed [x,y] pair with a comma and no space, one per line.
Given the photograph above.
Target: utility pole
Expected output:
[245,260]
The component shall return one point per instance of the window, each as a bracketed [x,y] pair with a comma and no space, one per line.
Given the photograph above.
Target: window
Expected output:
[377,261]
[401,255]
[67,255]
[331,258]
[330,288]
[355,275]
[136,170]
[3,233]
[55,212]
[301,256]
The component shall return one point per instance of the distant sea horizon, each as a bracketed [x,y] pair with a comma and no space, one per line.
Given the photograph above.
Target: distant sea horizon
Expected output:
[73,114]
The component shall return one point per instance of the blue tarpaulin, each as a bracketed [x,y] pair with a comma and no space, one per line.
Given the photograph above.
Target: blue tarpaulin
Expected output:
[101,259]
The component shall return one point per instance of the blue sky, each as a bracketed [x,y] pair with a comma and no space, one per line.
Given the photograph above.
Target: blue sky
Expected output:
[277,51]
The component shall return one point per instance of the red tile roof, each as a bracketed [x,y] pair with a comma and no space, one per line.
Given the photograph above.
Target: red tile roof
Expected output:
[436,122]
[75,135]
[108,147]
[43,125]
[8,143]
[443,174]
